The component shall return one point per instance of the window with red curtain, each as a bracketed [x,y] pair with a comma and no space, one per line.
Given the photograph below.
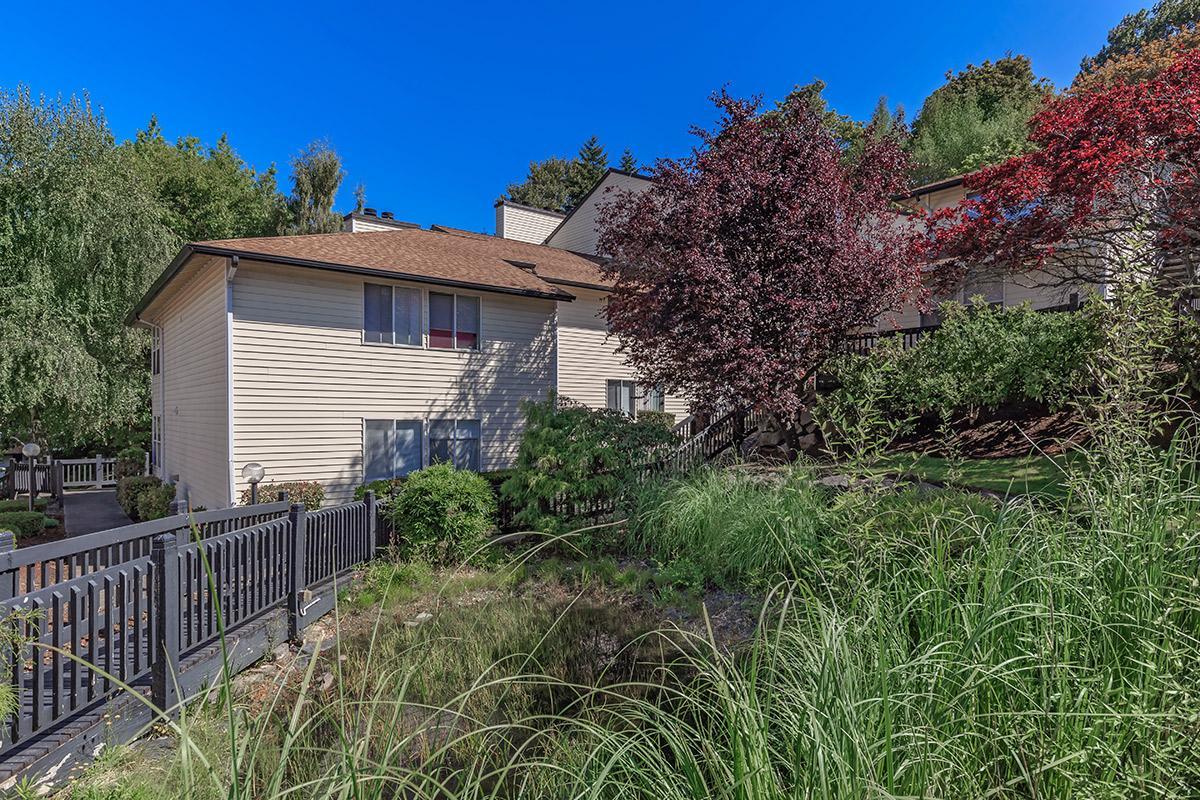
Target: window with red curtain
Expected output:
[441,320]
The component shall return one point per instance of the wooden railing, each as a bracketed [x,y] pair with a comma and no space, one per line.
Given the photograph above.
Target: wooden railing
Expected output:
[98,471]
[152,594]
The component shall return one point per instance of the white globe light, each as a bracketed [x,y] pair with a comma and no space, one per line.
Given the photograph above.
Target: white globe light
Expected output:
[253,472]
[31,449]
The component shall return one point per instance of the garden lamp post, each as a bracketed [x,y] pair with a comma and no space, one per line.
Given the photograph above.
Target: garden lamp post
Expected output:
[253,473]
[31,450]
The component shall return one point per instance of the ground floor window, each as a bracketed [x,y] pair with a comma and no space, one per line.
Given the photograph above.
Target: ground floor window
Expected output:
[621,396]
[391,448]
[455,441]
[651,399]
[628,398]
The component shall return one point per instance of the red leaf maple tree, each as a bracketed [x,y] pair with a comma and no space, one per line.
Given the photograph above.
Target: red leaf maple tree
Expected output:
[1112,193]
[745,264]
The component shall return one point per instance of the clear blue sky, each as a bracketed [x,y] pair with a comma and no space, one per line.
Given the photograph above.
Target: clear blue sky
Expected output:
[436,106]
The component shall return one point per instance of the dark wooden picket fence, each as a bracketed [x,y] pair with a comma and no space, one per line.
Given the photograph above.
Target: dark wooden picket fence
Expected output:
[131,603]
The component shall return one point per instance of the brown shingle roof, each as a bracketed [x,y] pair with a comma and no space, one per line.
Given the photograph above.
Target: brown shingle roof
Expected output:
[551,263]
[443,256]
[420,254]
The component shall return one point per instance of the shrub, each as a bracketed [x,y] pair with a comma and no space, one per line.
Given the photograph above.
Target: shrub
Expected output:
[131,461]
[310,493]
[661,418]
[154,502]
[23,523]
[442,516]
[39,504]
[129,488]
[385,489]
[572,456]
[981,357]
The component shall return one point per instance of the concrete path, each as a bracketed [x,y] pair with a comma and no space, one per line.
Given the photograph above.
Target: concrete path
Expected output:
[92,510]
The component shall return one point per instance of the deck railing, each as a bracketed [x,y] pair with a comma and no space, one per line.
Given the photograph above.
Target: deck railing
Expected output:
[146,596]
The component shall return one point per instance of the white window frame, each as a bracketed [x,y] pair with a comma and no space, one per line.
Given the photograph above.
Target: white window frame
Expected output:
[455,421]
[156,444]
[424,440]
[156,350]
[454,320]
[422,328]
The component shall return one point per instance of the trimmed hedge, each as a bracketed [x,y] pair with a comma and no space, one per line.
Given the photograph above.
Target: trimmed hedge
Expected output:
[154,502]
[130,488]
[310,493]
[23,505]
[24,523]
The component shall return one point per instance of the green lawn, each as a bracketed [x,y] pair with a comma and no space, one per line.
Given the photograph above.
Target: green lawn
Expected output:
[1043,475]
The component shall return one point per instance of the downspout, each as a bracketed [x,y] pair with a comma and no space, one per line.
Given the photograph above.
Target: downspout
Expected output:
[230,272]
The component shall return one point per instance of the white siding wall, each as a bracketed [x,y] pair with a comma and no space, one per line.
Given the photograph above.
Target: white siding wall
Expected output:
[190,393]
[304,381]
[525,224]
[578,233]
[587,357]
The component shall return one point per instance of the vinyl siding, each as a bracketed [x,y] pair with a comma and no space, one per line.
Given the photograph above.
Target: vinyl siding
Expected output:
[190,393]
[578,231]
[525,224]
[1033,287]
[587,357]
[304,381]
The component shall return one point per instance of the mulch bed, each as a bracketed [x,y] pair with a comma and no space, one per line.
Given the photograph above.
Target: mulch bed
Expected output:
[1012,431]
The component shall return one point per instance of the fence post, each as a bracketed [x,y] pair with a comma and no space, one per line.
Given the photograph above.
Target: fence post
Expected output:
[372,530]
[99,472]
[145,462]
[8,587]
[57,480]
[296,584]
[163,689]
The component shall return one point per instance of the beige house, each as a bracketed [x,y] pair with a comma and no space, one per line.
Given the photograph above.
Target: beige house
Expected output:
[1034,287]
[353,356]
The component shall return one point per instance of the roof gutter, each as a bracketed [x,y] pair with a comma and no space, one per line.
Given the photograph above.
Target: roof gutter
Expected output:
[134,316]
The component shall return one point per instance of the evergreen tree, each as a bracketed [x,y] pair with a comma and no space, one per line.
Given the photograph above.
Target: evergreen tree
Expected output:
[546,185]
[586,170]
[559,184]
[1166,19]
[628,162]
[316,176]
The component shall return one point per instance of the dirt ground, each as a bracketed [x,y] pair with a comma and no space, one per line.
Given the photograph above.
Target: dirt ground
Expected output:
[1006,433]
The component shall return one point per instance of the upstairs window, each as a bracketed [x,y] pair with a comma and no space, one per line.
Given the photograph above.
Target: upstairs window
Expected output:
[455,441]
[156,351]
[453,321]
[391,315]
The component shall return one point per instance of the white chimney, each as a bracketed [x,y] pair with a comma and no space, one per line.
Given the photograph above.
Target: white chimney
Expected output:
[525,223]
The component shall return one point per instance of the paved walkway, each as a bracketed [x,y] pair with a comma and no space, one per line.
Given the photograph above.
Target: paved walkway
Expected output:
[92,510]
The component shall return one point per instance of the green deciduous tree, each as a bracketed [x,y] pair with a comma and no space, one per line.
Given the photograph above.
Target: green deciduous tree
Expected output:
[979,117]
[81,237]
[207,192]
[316,176]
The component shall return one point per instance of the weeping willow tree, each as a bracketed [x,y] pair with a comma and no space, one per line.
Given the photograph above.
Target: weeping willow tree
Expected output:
[81,237]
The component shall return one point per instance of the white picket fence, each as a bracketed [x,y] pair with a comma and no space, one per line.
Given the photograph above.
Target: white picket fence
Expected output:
[98,471]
